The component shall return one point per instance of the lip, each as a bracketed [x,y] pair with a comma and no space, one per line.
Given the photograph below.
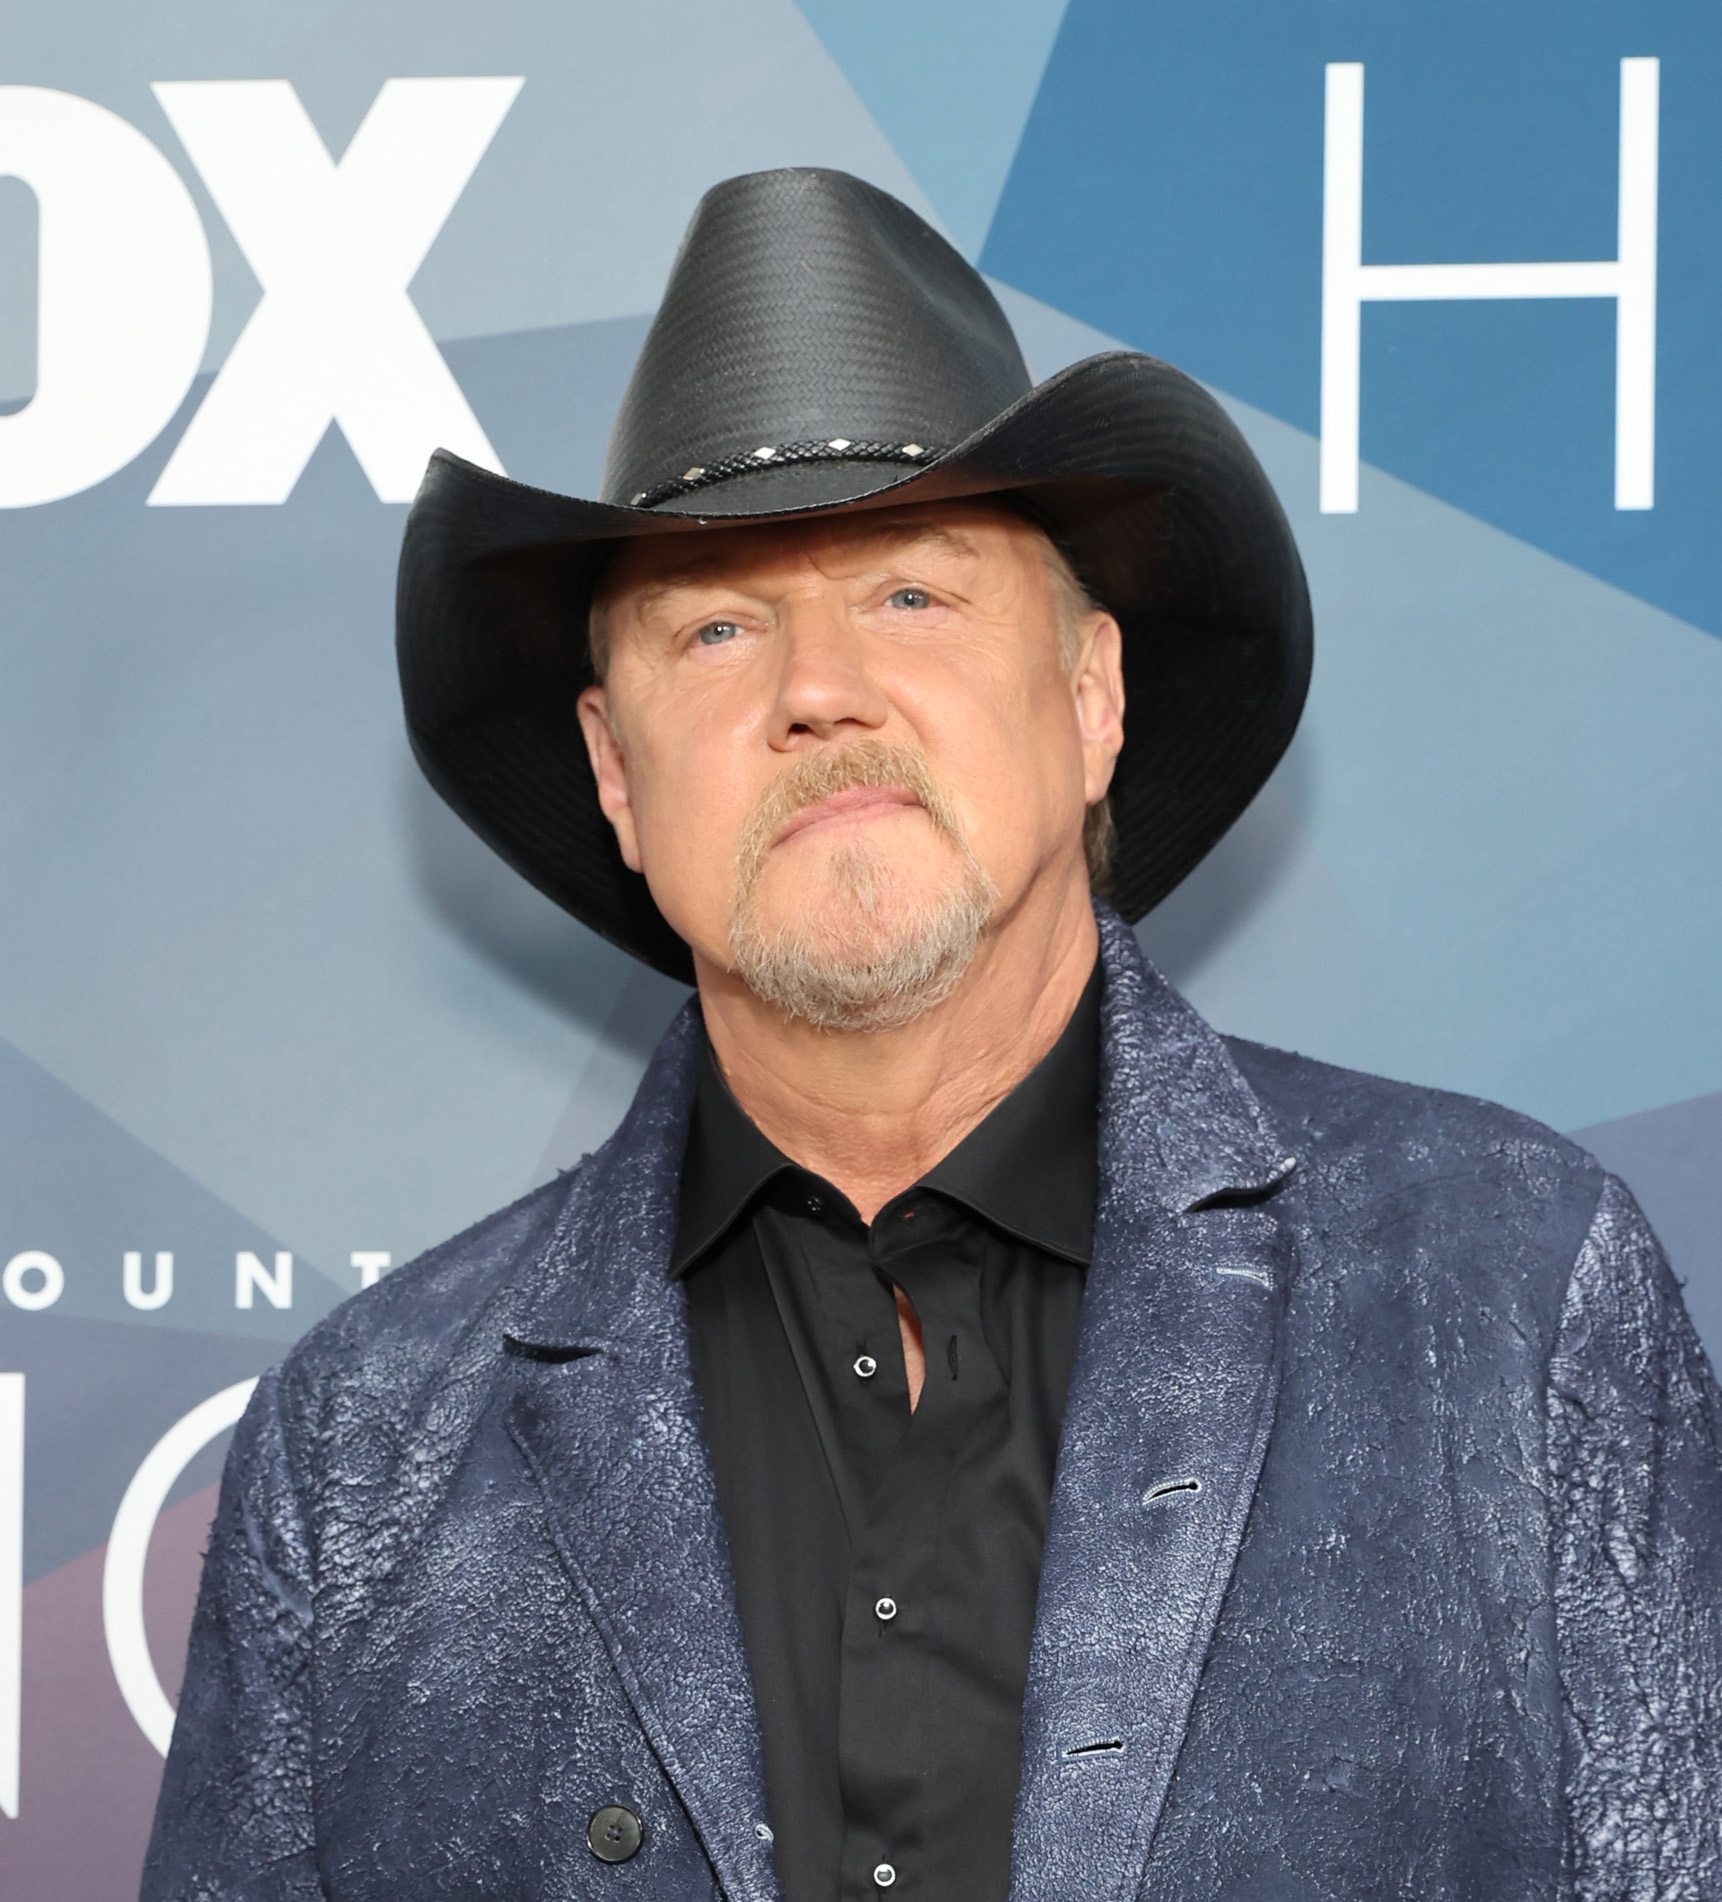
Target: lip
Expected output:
[859,802]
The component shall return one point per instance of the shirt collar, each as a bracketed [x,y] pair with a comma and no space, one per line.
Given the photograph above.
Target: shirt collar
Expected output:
[1029,1167]
[729,1160]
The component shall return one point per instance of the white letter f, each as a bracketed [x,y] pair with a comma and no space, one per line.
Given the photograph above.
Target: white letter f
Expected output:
[335,337]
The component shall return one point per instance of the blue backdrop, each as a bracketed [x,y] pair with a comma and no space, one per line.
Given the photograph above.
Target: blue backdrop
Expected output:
[266,1009]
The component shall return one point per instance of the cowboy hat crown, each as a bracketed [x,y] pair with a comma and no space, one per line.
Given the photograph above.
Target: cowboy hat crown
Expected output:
[816,338]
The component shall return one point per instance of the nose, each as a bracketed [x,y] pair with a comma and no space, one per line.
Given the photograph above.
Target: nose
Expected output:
[825,687]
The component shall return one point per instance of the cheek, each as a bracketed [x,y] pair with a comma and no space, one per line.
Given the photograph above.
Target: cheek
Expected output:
[1013,761]
[691,802]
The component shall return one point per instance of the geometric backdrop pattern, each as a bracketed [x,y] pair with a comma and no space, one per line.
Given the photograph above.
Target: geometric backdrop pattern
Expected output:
[271,1021]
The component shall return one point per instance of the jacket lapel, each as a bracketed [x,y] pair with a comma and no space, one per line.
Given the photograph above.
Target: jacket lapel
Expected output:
[1171,1403]
[603,1408]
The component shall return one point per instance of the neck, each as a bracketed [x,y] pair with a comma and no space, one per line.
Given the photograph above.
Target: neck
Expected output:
[873,1111]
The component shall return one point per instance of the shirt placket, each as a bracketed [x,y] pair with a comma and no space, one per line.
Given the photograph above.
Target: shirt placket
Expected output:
[894,1611]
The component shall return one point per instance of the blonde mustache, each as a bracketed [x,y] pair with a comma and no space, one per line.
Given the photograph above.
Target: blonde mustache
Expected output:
[821,775]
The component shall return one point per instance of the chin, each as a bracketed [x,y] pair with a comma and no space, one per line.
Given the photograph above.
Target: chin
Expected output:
[863,942]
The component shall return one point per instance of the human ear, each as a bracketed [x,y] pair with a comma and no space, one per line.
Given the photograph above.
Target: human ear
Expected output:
[1097,685]
[610,771]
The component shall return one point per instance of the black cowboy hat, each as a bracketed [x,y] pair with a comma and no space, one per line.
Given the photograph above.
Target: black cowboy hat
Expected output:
[821,348]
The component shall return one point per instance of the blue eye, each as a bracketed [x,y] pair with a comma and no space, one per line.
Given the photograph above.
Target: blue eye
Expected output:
[714,633]
[911,598]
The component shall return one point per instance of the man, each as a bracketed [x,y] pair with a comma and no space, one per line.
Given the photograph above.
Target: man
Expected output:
[971,1428]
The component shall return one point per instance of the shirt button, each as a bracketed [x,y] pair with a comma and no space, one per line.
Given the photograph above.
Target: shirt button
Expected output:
[865,1367]
[885,1609]
[884,1876]
[815,1205]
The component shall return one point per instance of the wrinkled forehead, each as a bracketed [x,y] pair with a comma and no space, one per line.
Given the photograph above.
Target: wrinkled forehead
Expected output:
[975,531]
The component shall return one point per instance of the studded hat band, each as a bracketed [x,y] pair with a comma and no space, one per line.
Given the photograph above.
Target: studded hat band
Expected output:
[838,449]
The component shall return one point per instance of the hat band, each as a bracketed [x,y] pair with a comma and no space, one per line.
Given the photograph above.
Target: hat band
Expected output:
[771,456]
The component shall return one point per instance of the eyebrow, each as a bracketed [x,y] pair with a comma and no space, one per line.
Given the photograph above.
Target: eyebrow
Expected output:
[937,533]
[898,534]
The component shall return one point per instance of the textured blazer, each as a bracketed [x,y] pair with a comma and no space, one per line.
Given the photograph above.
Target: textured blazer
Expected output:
[1385,1554]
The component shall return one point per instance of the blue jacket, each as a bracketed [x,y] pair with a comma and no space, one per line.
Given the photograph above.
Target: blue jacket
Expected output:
[1385,1554]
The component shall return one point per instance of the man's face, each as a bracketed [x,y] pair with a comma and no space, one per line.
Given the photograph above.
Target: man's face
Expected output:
[850,746]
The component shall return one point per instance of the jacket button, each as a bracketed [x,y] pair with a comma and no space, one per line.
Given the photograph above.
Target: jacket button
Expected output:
[884,1876]
[885,1610]
[614,1833]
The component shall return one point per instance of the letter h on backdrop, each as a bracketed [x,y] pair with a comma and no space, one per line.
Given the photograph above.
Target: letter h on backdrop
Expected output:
[1347,284]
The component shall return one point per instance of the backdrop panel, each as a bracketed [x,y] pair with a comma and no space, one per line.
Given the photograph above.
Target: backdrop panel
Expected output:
[271,1021]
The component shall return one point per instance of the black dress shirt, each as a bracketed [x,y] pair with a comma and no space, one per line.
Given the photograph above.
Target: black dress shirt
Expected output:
[886,1566]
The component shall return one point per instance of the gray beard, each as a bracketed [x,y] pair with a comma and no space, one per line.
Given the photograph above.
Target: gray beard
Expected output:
[861,960]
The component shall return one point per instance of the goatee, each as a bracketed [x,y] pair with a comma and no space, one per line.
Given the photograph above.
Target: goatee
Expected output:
[863,953]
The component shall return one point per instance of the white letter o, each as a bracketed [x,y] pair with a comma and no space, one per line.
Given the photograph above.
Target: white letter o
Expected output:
[33,1261]
[128,1551]
[124,293]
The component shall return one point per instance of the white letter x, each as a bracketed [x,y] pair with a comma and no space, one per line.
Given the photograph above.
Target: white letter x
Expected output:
[335,337]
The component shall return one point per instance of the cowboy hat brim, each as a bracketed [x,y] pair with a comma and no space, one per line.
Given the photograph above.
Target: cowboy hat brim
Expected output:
[1136,470]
